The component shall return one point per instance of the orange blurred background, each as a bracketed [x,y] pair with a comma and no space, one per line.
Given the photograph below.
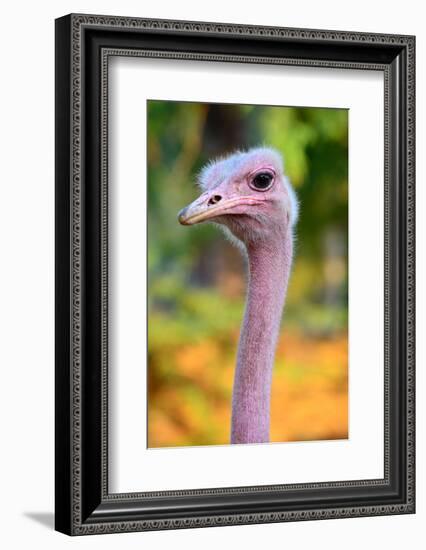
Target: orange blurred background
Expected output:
[309,394]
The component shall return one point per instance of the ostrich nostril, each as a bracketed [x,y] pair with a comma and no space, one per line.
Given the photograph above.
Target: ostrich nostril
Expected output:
[215,199]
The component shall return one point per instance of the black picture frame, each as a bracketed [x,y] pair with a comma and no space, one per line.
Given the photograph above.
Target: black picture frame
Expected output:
[83,46]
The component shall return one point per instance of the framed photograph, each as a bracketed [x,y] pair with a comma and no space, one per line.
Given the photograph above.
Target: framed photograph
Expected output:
[234,274]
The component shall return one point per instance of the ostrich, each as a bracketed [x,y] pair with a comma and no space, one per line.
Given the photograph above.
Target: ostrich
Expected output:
[248,194]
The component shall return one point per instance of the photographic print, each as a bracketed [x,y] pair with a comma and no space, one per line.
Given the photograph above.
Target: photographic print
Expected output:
[247,273]
[234,274]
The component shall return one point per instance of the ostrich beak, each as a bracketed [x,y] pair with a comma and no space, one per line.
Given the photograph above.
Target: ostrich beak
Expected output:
[211,205]
[195,212]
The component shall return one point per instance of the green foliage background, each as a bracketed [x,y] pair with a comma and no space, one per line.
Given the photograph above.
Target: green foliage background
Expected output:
[196,279]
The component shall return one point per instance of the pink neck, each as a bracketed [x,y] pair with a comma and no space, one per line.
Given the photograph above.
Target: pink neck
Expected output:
[269,269]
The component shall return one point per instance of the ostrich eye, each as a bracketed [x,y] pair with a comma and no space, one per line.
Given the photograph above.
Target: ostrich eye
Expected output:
[262,181]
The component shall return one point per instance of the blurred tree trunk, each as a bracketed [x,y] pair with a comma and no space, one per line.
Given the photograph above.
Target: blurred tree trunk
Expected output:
[224,131]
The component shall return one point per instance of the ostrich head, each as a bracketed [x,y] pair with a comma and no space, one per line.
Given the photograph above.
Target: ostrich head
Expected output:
[248,194]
